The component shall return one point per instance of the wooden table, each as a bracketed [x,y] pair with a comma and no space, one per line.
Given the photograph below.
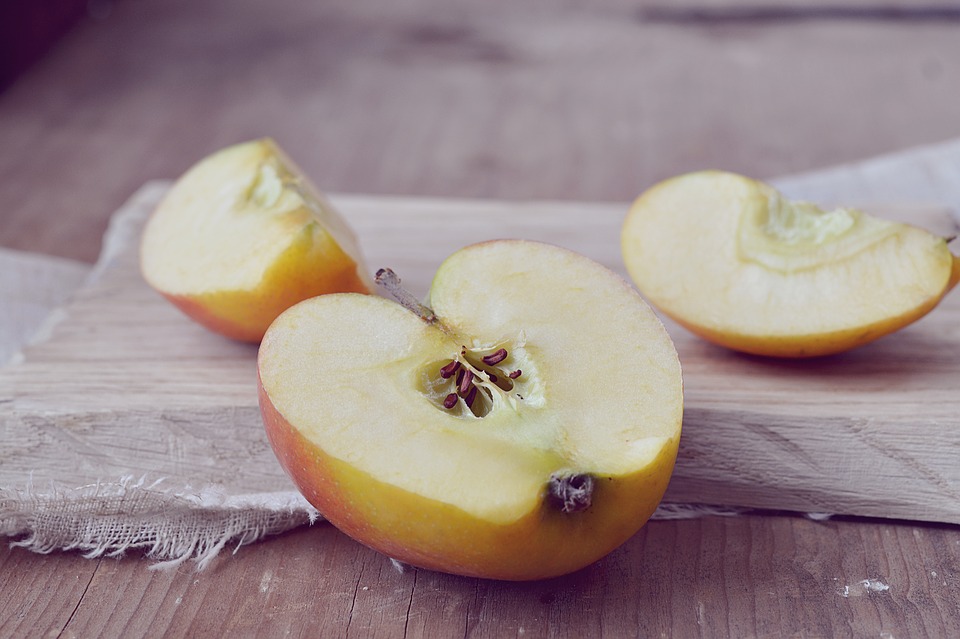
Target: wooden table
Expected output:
[495,100]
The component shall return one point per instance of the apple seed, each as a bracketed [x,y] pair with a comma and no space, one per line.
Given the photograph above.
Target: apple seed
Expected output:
[495,358]
[466,382]
[448,371]
[471,396]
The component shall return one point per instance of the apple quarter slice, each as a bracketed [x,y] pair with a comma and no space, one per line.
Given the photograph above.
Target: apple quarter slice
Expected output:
[242,236]
[740,265]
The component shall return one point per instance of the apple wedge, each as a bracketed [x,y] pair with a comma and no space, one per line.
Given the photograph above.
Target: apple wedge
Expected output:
[242,236]
[740,265]
[522,426]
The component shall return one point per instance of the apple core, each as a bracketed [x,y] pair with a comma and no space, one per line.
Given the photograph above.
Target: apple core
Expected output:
[473,379]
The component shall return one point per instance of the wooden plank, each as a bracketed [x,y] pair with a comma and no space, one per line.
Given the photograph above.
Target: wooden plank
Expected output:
[40,594]
[750,576]
[873,432]
[759,11]
[498,99]
[31,286]
[538,103]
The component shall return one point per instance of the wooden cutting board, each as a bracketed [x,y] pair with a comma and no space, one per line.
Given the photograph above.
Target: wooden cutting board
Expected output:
[122,383]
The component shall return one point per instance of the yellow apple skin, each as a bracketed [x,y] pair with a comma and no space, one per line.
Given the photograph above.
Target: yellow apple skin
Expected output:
[773,343]
[816,344]
[214,219]
[954,274]
[805,346]
[304,270]
[437,536]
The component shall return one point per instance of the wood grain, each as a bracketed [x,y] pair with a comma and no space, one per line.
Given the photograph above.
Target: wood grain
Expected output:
[495,99]
[40,597]
[750,576]
[141,390]
[533,100]
[750,11]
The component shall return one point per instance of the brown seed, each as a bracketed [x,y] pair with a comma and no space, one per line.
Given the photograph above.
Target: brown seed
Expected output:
[466,382]
[470,397]
[447,371]
[492,377]
[502,383]
[515,374]
[450,400]
[495,358]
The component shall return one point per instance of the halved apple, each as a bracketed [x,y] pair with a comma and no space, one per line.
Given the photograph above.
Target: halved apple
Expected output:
[735,262]
[523,427]
[242,236]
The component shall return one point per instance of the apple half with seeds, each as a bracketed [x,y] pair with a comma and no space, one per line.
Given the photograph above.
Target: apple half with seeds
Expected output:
[740,265]
[242,236]
[521,426]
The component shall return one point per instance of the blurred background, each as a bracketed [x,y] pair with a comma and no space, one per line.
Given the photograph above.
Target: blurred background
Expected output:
[538,99]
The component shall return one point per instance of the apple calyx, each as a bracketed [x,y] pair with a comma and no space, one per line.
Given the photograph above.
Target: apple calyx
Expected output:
[570,493]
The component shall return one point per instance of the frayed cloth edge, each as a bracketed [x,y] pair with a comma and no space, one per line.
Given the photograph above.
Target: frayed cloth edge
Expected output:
[173,527]
[109,519]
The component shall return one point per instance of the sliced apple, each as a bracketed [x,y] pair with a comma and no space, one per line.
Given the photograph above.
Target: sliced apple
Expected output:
[523,427]
[242,236]
[735,262]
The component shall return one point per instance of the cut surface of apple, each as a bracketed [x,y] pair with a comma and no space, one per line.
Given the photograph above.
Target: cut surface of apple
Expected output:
[526,430]
[242,236]
[737,263]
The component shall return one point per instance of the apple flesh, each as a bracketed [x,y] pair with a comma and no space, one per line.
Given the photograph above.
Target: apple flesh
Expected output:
[522,426]
[242,236]
[735,262]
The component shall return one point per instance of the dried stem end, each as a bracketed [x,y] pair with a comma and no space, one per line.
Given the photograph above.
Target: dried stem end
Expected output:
[390,282]
[570,493]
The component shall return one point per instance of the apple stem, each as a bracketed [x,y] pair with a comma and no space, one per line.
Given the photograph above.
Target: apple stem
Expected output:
[390,282]
[570,493]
